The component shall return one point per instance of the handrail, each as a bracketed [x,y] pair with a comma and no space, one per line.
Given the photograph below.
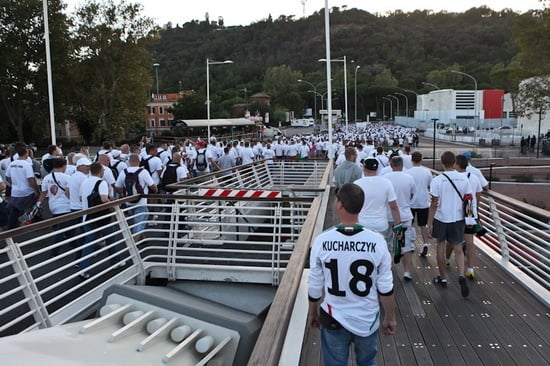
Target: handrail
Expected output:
[269,344]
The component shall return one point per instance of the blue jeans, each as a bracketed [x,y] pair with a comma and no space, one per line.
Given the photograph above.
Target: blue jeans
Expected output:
[90,237]
[336,342]
[141,214]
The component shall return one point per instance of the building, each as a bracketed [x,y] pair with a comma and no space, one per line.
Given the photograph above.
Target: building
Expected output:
[158,117]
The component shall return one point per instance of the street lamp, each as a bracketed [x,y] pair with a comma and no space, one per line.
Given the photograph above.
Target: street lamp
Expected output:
[433,148]
[430,84]
[315,94]
[342,59]
[208,63]
[156,66]
[476,117]
[391,106]
[406,103]
[415,93]
[397,99]
[355,104]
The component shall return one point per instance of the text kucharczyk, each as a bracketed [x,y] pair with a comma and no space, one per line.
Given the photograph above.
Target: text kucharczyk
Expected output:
[349,246]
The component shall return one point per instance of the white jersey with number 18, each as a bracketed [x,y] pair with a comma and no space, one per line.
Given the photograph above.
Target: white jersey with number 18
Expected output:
[352,265]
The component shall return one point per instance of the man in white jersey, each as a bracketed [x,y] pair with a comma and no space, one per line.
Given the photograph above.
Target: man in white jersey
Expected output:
[55,187]
[469,230]
[404,187]
[379,198]
[446,217]
[25,191]
[351,266]
[421,202]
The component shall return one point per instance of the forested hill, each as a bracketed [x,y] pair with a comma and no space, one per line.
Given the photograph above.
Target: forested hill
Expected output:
[406,47]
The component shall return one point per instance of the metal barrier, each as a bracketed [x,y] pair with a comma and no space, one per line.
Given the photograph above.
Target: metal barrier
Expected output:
[240,239]
[518,238]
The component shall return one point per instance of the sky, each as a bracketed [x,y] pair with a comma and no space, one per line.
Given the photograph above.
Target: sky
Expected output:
[244,12]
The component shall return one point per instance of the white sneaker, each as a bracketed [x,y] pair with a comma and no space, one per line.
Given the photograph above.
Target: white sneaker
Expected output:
[407,276]
[120,264]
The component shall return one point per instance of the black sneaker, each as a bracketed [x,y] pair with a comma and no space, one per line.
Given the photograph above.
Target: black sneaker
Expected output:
[440,281]
[424,250]
[464,290]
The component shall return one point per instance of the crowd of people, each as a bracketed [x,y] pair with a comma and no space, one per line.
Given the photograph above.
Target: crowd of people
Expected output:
[380,192]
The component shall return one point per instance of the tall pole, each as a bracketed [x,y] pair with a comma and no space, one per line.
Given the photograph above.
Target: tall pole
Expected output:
[346,92]
[476,117]
[156,66]
[208,96]
[355,103]
[49,71]
[314,96]
[391,106]
[208,63]
[329,80]
[406,103]
[397,100]
[433,148]
[416,94]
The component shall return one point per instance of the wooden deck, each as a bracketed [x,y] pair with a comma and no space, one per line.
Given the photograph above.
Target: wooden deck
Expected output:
[500,323]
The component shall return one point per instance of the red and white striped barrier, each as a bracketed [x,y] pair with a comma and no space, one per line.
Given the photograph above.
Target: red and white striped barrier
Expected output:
[239,193]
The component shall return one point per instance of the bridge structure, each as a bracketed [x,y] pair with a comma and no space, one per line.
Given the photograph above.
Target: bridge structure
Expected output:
[246,234]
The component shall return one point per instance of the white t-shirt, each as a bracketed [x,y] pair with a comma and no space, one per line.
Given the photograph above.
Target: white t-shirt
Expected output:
[404,187]
[155,167]
[75,189]
[88,186]
[477,173]
[19,171]
[378,193]
[476,187]
[109,177]
[145,181]
[449,207]
[268,155]
[422,178]
[57,199]
[350,268]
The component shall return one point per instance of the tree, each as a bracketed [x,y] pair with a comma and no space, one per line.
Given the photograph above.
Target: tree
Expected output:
[532,34]
[23,81]
[280,82]
[114,68]
[191,106]
[534,98]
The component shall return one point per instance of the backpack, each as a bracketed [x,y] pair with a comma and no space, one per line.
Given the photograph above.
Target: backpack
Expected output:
[200,162]
[132,186]
[169,175]
[114,169]
[145,164]
[94,199]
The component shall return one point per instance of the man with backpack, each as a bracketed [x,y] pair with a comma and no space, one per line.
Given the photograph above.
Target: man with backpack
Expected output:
[132,181]
[204,162]
[95,191]
[152,163]
[175,171]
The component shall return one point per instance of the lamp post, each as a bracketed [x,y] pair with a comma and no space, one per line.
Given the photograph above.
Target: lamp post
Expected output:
[355,103]
[430,84]
[208,63]
[342,59]
[49,71]
[416,94]
[315,94]
[391,106]
[433,148]
[156,66]
[397,100]
[406,103]
[476,117]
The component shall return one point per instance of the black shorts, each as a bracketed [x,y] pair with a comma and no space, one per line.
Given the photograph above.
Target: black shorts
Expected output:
[421,215]
[452,232]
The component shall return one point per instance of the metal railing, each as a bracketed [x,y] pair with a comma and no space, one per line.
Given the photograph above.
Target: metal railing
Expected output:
[245,239]
[518,238]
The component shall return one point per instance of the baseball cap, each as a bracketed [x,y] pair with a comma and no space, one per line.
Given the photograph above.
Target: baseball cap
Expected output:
[467,155]
[83,161]
[370,163]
